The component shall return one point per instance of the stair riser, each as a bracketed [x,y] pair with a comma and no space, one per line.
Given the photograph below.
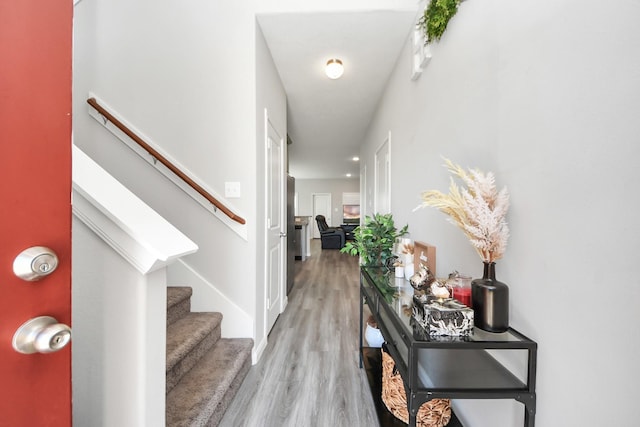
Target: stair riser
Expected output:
[178,311]
[190,359]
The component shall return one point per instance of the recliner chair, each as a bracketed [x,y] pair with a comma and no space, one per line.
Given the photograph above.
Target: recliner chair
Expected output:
[330,237]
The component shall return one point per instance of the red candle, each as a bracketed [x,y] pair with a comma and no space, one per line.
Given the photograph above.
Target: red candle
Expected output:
[463,295]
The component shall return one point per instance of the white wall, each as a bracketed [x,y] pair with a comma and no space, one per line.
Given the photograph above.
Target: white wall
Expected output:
[544,94]
[296,6]
[307,187]
[116,382]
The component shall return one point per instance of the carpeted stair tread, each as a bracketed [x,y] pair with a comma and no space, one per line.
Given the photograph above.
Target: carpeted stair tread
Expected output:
[204,393]
[187,340]
[178,302]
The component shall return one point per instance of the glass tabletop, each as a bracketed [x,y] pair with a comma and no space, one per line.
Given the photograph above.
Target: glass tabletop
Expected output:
[397,295]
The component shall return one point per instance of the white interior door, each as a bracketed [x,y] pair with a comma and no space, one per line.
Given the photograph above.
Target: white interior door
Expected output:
[321,206]
[276,226]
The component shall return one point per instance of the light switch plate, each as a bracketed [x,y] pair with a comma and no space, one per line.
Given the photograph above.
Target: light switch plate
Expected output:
[232,190]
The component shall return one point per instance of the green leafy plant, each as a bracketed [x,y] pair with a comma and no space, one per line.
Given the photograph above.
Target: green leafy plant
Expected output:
[373,241]
[436,17]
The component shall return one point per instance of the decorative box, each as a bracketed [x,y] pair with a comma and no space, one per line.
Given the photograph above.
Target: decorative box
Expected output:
[447,317]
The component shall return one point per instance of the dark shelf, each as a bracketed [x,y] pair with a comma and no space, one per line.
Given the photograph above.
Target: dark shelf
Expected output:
[447,367]
[467,369]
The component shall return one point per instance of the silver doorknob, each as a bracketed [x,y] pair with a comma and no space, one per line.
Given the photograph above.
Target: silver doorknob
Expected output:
[35,263]
[41,335]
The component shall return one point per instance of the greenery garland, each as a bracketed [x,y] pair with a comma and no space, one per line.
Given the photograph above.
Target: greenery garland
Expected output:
[436,17]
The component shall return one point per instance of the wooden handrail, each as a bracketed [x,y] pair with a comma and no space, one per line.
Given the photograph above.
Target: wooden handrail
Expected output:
[117,123]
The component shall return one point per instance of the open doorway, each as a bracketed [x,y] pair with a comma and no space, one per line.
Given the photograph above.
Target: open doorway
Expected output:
[321,206]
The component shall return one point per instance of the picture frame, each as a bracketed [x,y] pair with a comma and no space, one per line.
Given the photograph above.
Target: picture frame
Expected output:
[424,253]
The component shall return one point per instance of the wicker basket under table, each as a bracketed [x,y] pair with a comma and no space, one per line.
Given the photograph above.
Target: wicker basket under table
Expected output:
[434,413]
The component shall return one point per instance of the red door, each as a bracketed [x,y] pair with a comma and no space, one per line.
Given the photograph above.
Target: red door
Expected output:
[35,200]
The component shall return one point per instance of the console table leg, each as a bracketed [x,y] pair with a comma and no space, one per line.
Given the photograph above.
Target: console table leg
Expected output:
[412,406]
[529,402]
[529,418]
[360,324]
[412,420]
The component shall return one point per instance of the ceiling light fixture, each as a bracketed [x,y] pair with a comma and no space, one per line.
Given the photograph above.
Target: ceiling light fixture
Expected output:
[348,175]
[356,158]
[334,69]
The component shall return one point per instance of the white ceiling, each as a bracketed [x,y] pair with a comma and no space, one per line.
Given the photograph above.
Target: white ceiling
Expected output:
[327,118]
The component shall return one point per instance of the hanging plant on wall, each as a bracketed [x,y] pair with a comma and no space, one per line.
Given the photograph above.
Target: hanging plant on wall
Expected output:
[436,17]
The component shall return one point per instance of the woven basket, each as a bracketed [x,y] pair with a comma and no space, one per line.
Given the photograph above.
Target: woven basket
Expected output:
[434,413]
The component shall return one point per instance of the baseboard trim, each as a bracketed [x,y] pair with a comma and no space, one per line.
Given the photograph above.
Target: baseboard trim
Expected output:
[256,354]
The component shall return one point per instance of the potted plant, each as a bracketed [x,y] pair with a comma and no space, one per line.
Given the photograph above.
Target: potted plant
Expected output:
[480,211]
[373,241]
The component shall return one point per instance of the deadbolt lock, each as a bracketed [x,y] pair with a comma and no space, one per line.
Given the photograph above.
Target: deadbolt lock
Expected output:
[35,263]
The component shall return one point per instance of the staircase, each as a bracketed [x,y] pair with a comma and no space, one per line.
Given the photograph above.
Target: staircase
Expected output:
[204,371]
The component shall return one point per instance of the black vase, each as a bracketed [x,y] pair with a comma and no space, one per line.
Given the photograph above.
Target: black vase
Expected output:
[490,301]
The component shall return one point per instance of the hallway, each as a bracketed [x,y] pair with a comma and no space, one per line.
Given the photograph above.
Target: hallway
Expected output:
[308,375]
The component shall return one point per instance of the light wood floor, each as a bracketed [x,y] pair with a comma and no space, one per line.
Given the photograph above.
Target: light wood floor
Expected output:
[308,375]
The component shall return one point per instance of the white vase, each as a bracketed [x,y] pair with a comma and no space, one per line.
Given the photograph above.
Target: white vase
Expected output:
[409,270]
[399,271]
[373,336]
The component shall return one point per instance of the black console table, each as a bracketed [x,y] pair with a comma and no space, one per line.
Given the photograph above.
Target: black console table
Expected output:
[446,367]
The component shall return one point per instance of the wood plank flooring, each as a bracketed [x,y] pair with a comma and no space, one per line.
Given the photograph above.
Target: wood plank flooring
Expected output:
[309,374]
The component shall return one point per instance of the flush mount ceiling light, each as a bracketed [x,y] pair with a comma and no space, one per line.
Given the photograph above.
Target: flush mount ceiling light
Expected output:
[334,69]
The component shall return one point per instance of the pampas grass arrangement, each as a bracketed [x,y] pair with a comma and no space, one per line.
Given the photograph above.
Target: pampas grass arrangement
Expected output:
[479,210]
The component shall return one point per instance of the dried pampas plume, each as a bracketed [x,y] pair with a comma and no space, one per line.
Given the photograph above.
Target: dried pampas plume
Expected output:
[479,210]
[408,248]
